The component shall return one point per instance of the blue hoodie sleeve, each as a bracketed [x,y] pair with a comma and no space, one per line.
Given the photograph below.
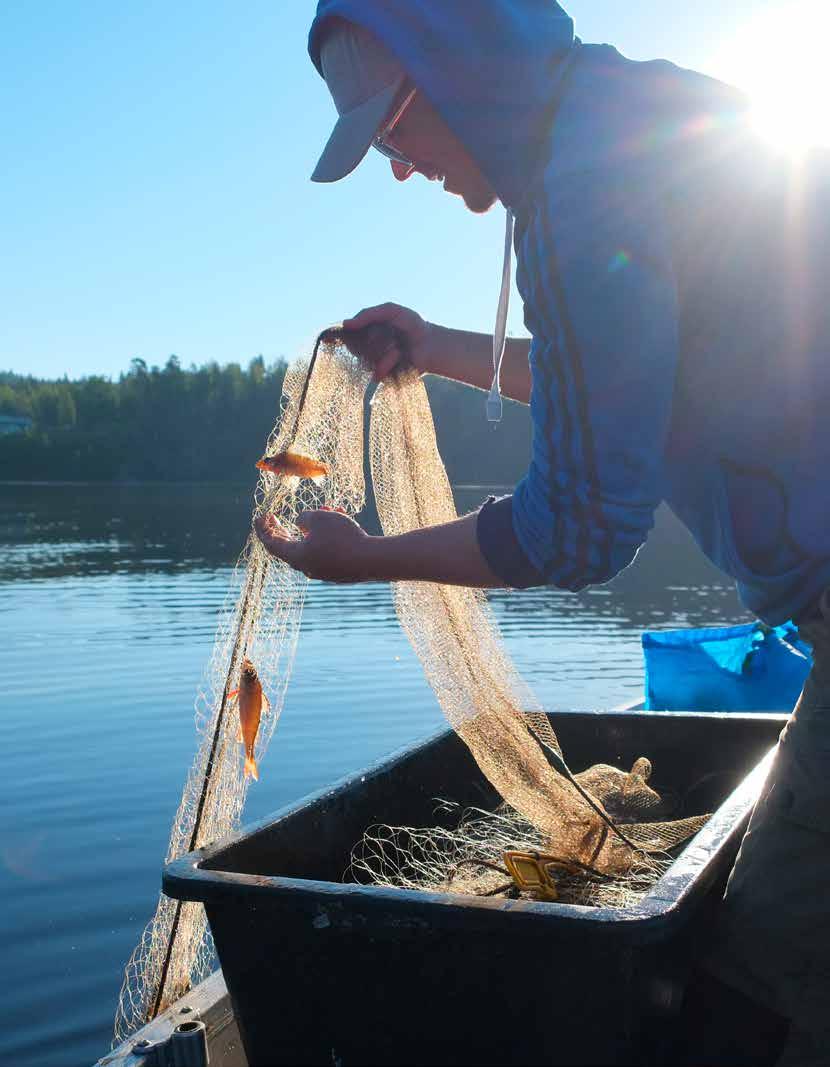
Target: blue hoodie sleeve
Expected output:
[600,301]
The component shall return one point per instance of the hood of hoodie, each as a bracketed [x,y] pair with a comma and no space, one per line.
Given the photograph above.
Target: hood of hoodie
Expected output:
[487,67]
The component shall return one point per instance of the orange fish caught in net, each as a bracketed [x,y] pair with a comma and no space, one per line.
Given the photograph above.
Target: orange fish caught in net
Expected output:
[251,701]
[292,463]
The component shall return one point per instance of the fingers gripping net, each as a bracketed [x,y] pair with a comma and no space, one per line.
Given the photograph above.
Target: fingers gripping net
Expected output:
[321,416]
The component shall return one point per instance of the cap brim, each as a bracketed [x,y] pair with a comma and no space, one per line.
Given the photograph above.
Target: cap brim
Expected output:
[353,134]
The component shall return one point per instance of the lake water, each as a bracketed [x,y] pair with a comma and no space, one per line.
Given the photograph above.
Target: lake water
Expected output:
[108,608]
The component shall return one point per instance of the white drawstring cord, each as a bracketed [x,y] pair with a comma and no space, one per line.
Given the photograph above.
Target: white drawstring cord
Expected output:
[494,404]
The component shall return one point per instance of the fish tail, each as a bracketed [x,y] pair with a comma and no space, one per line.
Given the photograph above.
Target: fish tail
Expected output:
[251,768]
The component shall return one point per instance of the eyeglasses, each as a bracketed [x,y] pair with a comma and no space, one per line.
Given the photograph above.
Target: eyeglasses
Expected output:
[380,142]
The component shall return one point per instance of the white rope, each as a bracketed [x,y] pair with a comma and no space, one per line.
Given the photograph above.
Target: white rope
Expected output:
[494,404]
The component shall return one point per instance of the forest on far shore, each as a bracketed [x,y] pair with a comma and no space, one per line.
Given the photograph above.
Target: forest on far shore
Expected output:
[210,424]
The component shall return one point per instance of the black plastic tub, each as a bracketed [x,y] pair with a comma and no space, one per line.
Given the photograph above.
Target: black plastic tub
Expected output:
[325,972]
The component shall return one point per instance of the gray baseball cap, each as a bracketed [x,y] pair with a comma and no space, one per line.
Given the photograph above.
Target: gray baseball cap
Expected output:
[364,79]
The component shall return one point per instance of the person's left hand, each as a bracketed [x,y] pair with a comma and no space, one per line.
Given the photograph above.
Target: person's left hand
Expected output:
[334,548]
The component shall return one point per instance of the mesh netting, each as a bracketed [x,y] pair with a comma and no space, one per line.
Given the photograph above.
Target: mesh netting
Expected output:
[469,858]
[321,416]
[454,635]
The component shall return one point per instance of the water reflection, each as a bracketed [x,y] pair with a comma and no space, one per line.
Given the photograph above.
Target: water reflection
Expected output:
[54,530]
[49,531]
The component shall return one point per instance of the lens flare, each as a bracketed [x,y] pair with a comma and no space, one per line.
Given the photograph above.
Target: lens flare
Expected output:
[779,58]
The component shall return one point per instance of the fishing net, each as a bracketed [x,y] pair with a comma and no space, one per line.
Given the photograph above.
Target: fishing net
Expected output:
[322,416]
[469,858]
[605,827]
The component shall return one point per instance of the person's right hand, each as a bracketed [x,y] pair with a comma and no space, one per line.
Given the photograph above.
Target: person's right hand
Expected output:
[417,334]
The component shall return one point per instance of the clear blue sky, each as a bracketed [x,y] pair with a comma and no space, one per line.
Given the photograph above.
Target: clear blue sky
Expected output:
[155,194]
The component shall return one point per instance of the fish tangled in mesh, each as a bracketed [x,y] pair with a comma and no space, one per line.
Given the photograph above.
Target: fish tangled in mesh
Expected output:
[292,465]
[251,702]
[455,636]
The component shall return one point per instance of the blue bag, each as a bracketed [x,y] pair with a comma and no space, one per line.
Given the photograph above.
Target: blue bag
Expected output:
[731,668]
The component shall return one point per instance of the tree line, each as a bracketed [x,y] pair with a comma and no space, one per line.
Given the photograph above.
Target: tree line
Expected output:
[209,424]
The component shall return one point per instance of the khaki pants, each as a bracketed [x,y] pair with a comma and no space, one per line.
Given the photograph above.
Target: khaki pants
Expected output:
[774,929]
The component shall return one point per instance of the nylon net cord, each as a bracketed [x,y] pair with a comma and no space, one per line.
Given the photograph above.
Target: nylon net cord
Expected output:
[455,636]
[321,415]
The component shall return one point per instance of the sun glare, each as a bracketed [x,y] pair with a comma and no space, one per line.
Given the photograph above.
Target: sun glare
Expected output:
[779,58]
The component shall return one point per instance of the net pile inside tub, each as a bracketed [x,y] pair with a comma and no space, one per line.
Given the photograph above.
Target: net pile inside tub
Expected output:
[453,633]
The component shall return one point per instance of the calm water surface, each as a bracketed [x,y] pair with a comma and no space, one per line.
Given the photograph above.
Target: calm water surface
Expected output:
[108,608]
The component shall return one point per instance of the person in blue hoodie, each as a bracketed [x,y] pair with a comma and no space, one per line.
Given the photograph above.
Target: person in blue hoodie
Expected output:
[671,269]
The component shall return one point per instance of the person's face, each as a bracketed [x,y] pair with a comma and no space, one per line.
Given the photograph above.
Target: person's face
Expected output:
[423,136]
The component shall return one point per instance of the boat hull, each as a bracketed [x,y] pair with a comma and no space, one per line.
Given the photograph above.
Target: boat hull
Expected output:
[320,971]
